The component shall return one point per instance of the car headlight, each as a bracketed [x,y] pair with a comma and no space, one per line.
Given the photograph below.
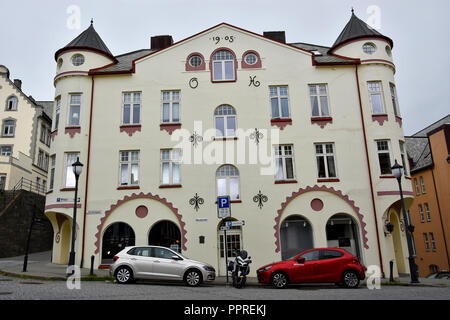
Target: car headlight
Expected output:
[266,268]
[209,268]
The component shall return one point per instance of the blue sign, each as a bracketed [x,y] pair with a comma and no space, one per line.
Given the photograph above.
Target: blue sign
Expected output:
[223,207]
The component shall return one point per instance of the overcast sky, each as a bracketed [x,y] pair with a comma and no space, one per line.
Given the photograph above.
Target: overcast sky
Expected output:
[33,30]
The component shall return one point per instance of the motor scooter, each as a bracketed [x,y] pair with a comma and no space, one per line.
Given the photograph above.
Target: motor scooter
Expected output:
[240,268]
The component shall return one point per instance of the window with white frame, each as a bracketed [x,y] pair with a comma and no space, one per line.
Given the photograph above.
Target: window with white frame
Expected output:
[45,135]
[326,165]
[433,242]
[225,121]
[11,104]
[170,166]
[427,210]
[279,102]
[171,106]
[129,168]
[68,169]
[131,108]
[403,155]
[52,171]
[9,127]
[74,110]
[427,244]
[6,150]
[284,157]
[227,182]
[417,186]
[422,217]
[57,112]
[422,183]
[223,66]
[384,157]
[394,99]
[319,100]
[376,97]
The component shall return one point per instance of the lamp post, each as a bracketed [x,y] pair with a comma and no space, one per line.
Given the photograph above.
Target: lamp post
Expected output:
[77,167]
[397,172]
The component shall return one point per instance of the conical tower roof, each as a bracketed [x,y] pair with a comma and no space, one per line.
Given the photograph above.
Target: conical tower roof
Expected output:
[88,39]
[355,29]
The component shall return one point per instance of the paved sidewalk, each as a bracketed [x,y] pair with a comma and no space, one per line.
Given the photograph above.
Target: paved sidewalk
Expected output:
[40,267]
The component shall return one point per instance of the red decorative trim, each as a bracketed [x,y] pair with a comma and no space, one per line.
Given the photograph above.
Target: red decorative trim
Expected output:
[224,138]
[244,64]
[281,123]
[140,196]
[127,187]
[169,127]
[398,120]
[67,189]
[141,212]
[381,118]
[88,49]
[211,65]
[285,181]
[394,193]
[316,204]
[321,121]
[130,129]
[53,134]
[387,177]
[328,180]
[61,205]
[201,67]
[325,189]
[167,186]
[60,218]
[69,73]
[360,38]
[48,192]
[72,130]
[379,60]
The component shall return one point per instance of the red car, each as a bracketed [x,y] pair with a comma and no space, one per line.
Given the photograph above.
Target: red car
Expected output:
[315,265]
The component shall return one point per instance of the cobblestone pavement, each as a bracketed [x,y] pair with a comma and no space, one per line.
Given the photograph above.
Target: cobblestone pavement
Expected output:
[24,289]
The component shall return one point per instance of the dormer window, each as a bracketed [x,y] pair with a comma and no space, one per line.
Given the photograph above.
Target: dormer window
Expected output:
[77,60]
[369,48]
[11,104]
[223,66]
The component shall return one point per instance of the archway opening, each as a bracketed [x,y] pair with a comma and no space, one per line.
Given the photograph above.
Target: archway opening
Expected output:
[296,235]
[397,242]
[343,232]
[165,234]
[116,237]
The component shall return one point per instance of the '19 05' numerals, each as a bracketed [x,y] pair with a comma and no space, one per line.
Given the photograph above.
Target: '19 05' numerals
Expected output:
[226,38]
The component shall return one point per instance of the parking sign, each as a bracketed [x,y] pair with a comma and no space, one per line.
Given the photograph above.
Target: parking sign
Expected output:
[223,207]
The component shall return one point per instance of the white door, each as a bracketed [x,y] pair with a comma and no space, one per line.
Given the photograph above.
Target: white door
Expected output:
[234,241]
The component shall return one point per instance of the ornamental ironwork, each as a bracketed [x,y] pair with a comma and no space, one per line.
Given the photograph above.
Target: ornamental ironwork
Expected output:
[253,82]
[193,83]
[257,135]
[195,138]
[260,198]
[196,201]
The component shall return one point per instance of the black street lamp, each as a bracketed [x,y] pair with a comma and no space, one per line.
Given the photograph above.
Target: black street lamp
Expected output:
[397,172]
[77,167]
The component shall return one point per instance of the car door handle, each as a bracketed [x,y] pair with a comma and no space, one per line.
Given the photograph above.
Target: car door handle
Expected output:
[156,261]
[133,259]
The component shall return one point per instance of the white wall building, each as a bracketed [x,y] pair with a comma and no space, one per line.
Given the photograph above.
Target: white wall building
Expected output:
[328,116]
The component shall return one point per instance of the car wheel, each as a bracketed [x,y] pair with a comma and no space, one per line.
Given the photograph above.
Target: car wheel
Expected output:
[124,275]
[279,280]
[193,278]
[350,279]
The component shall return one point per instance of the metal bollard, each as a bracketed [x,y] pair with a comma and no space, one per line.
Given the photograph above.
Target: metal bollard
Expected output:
[391,267]
[92,265]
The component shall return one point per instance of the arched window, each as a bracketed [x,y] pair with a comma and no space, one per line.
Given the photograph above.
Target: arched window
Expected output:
[225,121]
[223,66]
[227,181]
[11,104]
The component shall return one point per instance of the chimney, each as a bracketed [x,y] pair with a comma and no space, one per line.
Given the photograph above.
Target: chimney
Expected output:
[275,35]
[160,42]
[18,83]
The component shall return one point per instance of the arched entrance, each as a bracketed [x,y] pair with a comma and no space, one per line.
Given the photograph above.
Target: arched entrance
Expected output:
[343,232]
[165,234]
[64,237]
[116,237]
[234,242]
[296,236]
[397,242]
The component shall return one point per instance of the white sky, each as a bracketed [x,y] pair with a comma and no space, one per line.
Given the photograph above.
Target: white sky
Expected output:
[32,31]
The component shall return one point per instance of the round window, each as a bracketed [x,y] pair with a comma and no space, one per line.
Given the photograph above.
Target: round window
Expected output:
[77,60]
[388,51]
[369,48]
[251,58]
[195,61]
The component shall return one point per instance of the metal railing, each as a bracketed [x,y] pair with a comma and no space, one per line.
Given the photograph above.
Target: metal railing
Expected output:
[6,196]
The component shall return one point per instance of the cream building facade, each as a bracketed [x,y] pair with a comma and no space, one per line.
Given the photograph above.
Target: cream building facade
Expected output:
[151,127]
[25,137]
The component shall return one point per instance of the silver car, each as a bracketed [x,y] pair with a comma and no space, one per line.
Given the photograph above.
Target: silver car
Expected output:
[159,263]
